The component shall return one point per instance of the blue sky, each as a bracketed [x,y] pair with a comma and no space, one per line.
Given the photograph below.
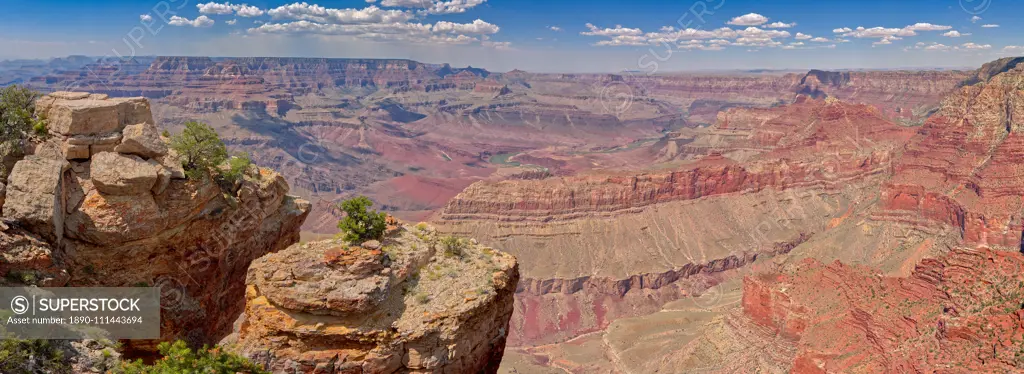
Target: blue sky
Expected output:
[548,36]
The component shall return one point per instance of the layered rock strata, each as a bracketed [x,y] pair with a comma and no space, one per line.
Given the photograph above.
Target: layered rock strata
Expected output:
[413,302]
[962,169]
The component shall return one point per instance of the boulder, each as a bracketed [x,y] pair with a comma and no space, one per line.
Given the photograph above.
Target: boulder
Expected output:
[35,197]
[142,139]
[117,174]
[70,113]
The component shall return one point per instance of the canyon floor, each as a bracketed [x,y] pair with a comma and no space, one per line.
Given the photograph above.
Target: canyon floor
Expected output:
[810,223]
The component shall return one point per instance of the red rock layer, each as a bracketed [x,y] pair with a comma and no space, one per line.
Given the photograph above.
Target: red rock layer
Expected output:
[855,140]
[959,313]
[962,169]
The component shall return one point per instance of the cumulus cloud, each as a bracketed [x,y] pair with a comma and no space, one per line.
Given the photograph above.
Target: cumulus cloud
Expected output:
[802,36]
[618,30]
[554,28]
[749,19]
[952,34]
[231,22]
[780,25]
[886,35]
[820,40]
[319,14]
[966,47]
[243,10]
[146,18]
[989,26]
[927,27]
[688,38]
[373,23]
[478,27]
[975,19]
[202,21]
[972,46]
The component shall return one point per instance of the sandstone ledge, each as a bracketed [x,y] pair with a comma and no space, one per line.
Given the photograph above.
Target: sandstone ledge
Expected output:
[410,306]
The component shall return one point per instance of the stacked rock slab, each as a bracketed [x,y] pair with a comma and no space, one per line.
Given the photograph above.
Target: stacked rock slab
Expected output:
[111,200]
[412,303]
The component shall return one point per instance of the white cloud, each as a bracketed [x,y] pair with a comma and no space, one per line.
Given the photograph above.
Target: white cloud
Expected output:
[952,34]
[927,27]
[1013,49]
[554,28]
[973,46]
[750,19]
[617,31]
[797,43]
[454,6]
[146,18]
[820,40]
[478,27]
[802,36]
[434,6]
[202,21]
[887,34]
[248,11]
[990,26]
[243,10]
[231,22]
[933,46]
[780,25]
[215,8]
[887,40]
[688,38]
[319,14]
[975,19]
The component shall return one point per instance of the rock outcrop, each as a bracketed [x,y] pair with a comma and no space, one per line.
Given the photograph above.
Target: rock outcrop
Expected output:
[103,202]
[414,302]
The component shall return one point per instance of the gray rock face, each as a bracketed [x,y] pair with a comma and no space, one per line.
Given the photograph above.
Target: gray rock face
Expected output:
[35,197]
[143,140]
[117,174]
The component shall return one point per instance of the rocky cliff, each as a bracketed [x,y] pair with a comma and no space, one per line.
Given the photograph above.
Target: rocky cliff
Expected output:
[103,202]
[413,302]
[962,168]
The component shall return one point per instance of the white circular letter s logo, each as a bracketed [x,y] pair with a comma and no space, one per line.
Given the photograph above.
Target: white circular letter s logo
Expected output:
[19,304]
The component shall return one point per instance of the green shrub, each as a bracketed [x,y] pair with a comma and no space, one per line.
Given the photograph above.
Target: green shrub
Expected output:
[180,359]
[31,356]
[453,247]
[17,118]
[361,224]
[237,166]
[200,149]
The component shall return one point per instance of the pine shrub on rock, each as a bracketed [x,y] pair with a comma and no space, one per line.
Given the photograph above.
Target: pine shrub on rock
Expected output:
[361,224]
